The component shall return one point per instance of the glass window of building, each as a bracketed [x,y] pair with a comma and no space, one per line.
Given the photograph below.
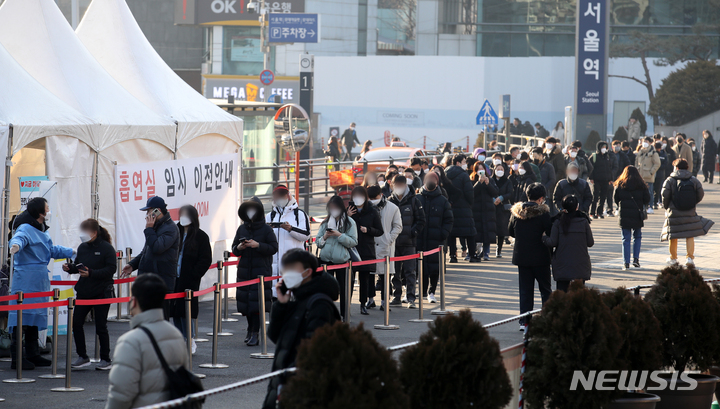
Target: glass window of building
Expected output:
[522,28]
[396,27]
[242,54]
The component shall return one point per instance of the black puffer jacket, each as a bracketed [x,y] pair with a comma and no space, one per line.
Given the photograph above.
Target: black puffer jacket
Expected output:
[502,216]
[160,254]
[528,222]
[484,211]
[461,198]
[571,259]
[413,218]
[521,183]
[367,217]
[254,262]
[196,259]
[631,204]
[295,321]
[602,165]
[438,221]
[100,258]
[579,188]
[708,149]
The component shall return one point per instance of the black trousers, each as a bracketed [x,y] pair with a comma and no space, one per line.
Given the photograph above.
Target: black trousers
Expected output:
[564,285]
[406,269]
[253,321]
[470,240]
[365,282]
[32,349]
[340,276]
[708,175]
[601,188]
[431,274]
[609,198]
[101,314]
[500,242]
[526,280]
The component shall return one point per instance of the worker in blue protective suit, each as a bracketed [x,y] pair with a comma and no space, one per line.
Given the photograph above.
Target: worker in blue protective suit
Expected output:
[33,250]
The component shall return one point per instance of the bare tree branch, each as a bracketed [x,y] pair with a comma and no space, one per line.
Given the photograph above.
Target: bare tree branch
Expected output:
[629,78]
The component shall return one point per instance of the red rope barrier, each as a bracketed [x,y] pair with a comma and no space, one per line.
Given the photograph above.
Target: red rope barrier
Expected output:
[200,293]
[232,263]
[73,282]
[9,298]
[174,296]
[102,301]
[405,258]
[240,284]
[367,262]
[433,251]
[337,267]
[39,295]
[36,306]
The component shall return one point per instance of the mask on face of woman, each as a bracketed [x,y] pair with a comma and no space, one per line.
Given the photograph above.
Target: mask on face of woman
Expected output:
[84,237]
[358,200]
[645,145]
[500,173]
[185,221]
[251,213]
[335,213]
[381,183]
[522,171]
[481,158]
[573,154]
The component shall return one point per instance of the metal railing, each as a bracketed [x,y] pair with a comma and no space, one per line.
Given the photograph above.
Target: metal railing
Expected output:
[506,141]
[316,182]
[199,396]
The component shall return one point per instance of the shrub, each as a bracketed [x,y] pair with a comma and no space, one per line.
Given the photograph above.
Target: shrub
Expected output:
[639,330]
[456,365]
[341,368]
[575,332]
[591,142]
[688,314]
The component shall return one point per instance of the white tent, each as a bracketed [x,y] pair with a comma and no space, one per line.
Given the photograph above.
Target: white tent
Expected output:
[34,113]
[113,37]
[40,39]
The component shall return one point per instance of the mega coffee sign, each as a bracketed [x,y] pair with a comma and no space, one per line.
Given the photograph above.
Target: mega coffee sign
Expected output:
[228,12]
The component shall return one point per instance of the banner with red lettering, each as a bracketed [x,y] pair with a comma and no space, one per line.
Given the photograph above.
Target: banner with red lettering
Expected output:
[209,183]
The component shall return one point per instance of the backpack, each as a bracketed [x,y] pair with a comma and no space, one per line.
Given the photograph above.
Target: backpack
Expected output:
[685,197]
[182,382]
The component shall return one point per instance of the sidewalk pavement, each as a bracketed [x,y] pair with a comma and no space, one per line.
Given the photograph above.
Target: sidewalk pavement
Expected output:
[489,289]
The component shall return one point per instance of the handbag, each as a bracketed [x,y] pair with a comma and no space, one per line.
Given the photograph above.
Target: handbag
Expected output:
[354,255]
[182,382]
[641,209]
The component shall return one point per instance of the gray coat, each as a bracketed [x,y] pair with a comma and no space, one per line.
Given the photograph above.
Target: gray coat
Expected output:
[160,253]
[137,377]
[571,259]
[681,224]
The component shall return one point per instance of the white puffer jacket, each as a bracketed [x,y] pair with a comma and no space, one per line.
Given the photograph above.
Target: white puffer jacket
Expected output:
[137,377]
[287,240]
[392,226]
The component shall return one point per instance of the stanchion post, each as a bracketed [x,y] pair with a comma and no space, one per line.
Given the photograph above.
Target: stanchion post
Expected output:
[219,330]
[197,333]
[263,330]
[68,356]
[421,272]
[442,310]
[226,302]
[96,359]
[19,342]
[188,328]
[348,291]
[128,255]
[56,314]
[216,330]
[386,298]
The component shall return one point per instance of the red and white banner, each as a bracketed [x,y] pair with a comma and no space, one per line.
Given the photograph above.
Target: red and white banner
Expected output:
[209,183]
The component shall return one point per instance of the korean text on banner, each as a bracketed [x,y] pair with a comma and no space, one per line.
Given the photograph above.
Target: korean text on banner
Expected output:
[209,183]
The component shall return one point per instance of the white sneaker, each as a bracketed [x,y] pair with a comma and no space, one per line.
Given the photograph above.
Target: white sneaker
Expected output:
[671,261]
[650,210]
[689,261]
[431,298]
[522,328]
[194,346]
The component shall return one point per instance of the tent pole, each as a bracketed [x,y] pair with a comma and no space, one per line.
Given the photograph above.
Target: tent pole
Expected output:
[95,188]
[176,147]
[6,197]
[240,174]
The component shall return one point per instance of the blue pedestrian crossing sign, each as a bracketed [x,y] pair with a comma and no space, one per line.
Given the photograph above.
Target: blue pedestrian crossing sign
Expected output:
[487,115]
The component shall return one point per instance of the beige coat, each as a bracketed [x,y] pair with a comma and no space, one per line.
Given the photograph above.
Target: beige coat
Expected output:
[684,152]
[647,162]
[137,378]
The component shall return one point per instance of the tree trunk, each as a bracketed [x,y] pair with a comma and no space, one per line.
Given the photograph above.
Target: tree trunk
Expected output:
[648,85]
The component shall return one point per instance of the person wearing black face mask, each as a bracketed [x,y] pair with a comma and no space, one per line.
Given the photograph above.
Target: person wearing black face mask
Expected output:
[95,264]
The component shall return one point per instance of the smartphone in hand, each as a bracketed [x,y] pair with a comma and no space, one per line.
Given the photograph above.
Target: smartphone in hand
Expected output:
[283,288]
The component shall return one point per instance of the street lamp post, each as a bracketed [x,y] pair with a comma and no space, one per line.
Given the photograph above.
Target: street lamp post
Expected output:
[263,45]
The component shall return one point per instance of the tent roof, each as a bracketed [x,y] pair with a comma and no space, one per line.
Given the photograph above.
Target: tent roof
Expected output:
[111,34]
[40,39]
[34,111]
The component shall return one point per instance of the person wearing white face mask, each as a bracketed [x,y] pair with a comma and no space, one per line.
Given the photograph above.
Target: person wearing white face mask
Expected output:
[290,224]
[369,226]
[584,166]
[503,202]
[95,264]
[193,262]
[255,243]
[461,196]
[336,236]
[305,303]
[601,177]
[648,163]
[572,184]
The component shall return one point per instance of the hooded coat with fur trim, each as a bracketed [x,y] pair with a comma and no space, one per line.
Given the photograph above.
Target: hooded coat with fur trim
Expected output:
[253,261]
[528,222]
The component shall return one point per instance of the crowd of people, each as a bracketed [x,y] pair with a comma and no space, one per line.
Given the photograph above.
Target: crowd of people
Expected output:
[540,200]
